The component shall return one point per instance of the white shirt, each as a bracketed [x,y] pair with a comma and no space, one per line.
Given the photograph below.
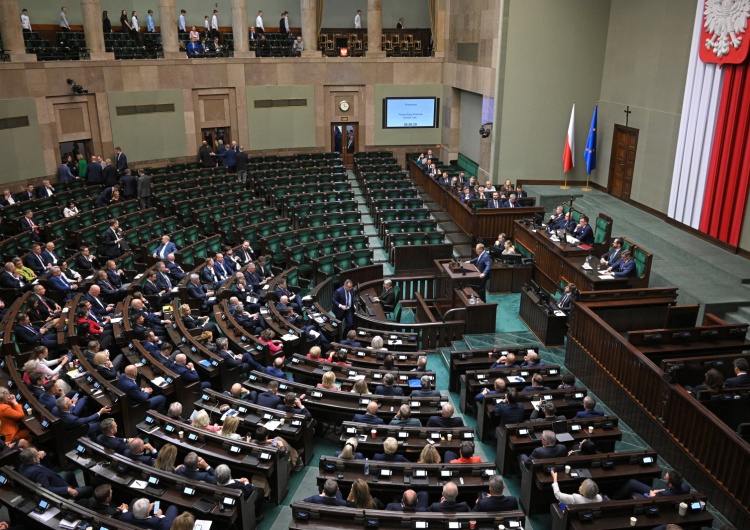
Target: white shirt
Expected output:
[286,24]
[215,22]
[207,25]
[181,25]
[357,22]
[134,24]
[25,22]
[259,23]
[64,20]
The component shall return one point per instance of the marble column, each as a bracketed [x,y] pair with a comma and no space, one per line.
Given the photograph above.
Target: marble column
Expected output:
[309,25]
[240,29]
[374,28]
[440,30]
[170,41]
[10,29]
[92,27]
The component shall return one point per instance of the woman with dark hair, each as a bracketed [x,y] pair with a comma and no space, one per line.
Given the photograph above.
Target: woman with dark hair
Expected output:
[106,24]
[360,497]
[713,380]
[124,22]
[268,337]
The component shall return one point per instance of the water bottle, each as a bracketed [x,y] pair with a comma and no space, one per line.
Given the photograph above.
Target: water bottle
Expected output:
[367,466]
[472,300]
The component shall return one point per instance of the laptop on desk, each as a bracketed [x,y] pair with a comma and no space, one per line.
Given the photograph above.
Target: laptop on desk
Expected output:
[560,428]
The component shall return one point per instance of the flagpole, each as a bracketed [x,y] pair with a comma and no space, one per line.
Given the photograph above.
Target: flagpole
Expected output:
[587,187]
[589,155]
[565,186]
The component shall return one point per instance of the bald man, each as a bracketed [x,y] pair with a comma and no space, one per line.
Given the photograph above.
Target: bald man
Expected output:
[127,383]
[370,416]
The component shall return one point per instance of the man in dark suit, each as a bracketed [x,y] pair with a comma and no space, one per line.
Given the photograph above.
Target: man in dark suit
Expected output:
[245,360]
[121,161]
[66,486]
[549,449]
[10,279]
[330,496]
[411,502]
[583,232]
[71,420]
[387,298]
[101,502]
[589,409]
[351,340]
[49,255]
[107,438]
[98,305]
[569,295]
[741,378]
[109,175]
[223,475]
[113,240]
[45,190]
[494,202]
[483,262]
[446,418]
[35,260]
[27,194]
[58,283]
[343,305]
[187,371]
[282,290]
[198,291]
[127,383]
[612,256]
[549,413]
[143,452]
[388,387]
[143,189]
[128,185]
[448,501]
[270,397]
[139,515]
[28,334]
[276,369]
[512,202]
[94,172]
[293,405]
[496,501]
[242,161]
[625,267]
[174,269]
[426,389]
[370,416]
[85,262]
[509,410]
[634,488]
[27,224]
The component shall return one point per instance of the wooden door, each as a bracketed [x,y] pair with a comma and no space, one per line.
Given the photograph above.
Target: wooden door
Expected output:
[345,141]
[622,161]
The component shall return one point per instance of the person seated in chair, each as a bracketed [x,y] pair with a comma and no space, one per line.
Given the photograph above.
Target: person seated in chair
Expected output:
[351,340]
[583,231]
[390,446]
[589,409]
[370,416]
[636,489]
[448,501]
[330,496]
[741,378]
[387,298]
[195,468]
[498,391]
[388,387]
[140,515]
[496,501]
[426,389]
[624,268]
[537,384]
[446,418]
[411,502]
[466,454]
[403,417]
[549,413]
[549,449]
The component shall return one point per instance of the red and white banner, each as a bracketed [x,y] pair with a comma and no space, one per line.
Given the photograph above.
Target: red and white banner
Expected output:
[724,39]
[570,144]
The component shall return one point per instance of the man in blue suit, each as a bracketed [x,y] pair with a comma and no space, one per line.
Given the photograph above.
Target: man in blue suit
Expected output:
[58,283]
[343,305]
[277,369]
[140,511]
[127,383]
[583,232]
[121,161]
[388,387]
[28,334]
[371,416]
[483,263]
[165,248]
[107,438]
[72,421]
[197,291]
[625,267]
[331,496]
[187,371]
[589,409]
[66,487]
[194,467]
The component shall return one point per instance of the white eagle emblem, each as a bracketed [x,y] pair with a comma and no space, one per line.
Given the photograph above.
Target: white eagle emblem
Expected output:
[724,20]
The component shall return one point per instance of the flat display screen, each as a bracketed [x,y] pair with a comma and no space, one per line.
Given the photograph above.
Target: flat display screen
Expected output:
[411,113]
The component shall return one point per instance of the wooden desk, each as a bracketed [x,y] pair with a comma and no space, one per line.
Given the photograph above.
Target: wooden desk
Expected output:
[481,359]
[510,444]
[549,328]
[553,260]
[411,440]
[449,280]
[536,483]
[508,279]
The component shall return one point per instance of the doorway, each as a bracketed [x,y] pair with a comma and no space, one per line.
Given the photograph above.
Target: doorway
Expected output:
[622,161]
[345,141]
[73,149]
[214,134]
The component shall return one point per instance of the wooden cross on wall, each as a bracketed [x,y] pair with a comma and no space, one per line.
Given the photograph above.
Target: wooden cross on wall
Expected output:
[627,112]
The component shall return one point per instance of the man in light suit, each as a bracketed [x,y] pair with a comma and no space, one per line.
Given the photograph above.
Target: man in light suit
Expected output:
[483,263]
[343,304]
[164,249]
[625,267]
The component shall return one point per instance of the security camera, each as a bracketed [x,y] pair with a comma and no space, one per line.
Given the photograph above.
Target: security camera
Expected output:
[485,130]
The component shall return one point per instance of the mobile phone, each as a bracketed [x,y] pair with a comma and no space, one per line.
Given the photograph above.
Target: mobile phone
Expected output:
[156,507]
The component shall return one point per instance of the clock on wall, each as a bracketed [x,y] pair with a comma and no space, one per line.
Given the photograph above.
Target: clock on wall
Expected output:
[344,105]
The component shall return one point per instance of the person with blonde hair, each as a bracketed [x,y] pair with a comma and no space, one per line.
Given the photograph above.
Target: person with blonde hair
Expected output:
[202,421]
[184,521]
[390,446]
[588,492]
[314,353]
[229,429]
[329,382]
[349,452]
[166,458]
[360,387]
[360,497]
[429,455]
[377,343]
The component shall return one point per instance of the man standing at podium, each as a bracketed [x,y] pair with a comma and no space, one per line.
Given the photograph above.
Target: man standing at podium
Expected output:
[483,263]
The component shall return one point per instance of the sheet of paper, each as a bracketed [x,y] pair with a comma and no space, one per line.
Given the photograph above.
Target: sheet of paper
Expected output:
[48,514]
[272,425]
[139,484]
[606,277]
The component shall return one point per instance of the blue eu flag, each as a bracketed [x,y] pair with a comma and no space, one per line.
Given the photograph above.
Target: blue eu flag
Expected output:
[589,154]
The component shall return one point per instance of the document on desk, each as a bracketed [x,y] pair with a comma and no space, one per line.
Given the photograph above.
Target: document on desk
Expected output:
[48,514]
[559,313]
[115,320]
[515,379]
[606,277]
[272,425]
[587,266]
[139,484]
[202,524]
